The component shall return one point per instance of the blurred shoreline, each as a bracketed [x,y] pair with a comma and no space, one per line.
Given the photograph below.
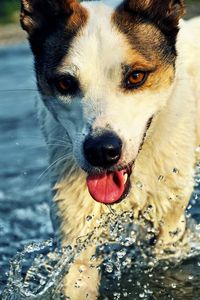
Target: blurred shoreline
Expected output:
[12,33]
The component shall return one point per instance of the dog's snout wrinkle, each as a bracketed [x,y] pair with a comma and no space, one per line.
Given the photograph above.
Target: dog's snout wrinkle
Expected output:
[103,150]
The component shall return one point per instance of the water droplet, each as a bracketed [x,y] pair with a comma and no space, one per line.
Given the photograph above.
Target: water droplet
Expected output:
[116,296]
[175,232]
[175,170]
[42,281]
[112,211]
[121,253]
[198,149]
[89,218]
[139,185]
[93,258]
[160,178]
[142,295]
[109,267]
[173,285]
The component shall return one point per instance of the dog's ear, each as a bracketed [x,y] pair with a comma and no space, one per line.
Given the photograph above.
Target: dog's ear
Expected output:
[164,12]
[40,18]
[42,14]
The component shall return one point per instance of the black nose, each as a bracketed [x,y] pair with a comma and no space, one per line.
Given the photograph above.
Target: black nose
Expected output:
[103,150]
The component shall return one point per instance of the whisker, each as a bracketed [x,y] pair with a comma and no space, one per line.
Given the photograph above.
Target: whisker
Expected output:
[19,90]
[31,147]
[39,138]
[60,140]
[50,166]
[60,145]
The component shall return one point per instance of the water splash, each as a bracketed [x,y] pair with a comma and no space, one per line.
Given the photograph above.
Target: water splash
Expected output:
[130,270]
[42,279]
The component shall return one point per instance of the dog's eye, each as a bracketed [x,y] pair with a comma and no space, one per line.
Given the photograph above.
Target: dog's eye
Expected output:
[135,79]
[66,85]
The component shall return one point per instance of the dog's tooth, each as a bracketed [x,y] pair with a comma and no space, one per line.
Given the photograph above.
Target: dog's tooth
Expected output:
[125,177]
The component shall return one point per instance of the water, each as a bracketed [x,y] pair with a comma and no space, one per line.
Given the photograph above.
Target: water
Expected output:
[24,211]
[130,269]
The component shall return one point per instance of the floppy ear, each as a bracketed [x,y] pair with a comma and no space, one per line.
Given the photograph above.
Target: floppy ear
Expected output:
[163,12]
[42,14]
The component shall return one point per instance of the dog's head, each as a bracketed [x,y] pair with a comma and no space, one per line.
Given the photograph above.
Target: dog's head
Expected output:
[104,73]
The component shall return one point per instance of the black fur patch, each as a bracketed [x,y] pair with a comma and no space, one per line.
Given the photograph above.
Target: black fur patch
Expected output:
[51,27]
[42,19]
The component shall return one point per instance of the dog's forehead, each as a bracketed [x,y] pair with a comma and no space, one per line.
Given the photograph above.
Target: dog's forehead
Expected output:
[98,41]
[105,42]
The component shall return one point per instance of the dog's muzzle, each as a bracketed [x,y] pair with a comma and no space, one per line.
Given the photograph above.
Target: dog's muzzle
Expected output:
[103,151]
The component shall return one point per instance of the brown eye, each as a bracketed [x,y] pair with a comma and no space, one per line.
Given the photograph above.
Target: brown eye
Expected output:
[135,79]
[63,85]
[66,85]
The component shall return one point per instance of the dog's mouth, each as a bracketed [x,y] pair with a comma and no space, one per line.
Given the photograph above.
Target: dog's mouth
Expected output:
[109,187]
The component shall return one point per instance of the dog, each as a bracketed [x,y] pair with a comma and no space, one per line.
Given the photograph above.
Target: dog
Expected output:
[120,112]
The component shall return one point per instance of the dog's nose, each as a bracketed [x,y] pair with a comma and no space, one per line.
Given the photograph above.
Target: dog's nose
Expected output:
[103,150]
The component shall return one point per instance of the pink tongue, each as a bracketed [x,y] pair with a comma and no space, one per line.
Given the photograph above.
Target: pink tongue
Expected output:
[107,188]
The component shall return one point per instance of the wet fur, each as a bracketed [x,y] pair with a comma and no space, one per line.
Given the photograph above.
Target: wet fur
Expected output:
[162,177]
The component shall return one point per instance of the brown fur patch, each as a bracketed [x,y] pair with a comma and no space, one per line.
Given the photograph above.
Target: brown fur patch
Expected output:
[161,73]
[150,49]
[166,14]
[78,19]
[160,79]
[144,36]
[36,14]
[151,27]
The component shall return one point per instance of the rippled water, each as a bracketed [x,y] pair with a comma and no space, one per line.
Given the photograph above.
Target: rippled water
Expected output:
[129,268]
[24,211]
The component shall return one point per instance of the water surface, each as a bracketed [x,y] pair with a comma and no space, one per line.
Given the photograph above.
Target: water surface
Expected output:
[24,211]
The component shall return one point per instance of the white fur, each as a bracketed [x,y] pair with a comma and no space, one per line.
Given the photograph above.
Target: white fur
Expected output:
[162,177]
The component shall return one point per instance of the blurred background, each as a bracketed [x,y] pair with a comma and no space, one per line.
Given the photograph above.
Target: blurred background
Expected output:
[24,182]
[10,31]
